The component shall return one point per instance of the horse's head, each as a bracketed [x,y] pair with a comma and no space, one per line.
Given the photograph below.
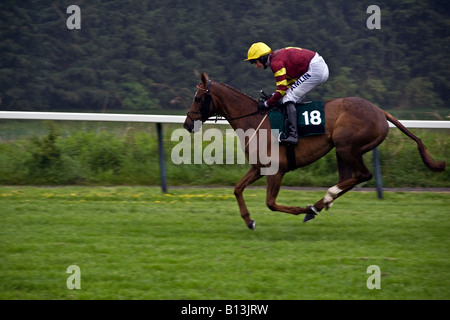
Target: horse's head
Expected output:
[202,105]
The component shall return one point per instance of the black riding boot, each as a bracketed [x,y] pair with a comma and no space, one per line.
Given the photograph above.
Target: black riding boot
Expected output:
[292,135]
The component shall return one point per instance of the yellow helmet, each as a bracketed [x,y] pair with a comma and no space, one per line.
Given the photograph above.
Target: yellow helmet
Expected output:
[258,50]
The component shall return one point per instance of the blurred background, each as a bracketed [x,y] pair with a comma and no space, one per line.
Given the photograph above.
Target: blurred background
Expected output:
[147,56]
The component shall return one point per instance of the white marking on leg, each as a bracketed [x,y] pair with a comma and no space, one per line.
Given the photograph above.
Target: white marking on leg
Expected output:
[332,194]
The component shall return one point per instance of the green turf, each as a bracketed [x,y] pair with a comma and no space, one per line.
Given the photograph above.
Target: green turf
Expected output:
[137,243]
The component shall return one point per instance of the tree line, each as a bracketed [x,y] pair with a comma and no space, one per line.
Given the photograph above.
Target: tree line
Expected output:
[147,56]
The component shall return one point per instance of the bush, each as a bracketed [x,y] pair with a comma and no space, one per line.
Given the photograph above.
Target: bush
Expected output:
[45,164]
[110,158]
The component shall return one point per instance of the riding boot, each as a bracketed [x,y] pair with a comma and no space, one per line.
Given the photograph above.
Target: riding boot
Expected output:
[292,135]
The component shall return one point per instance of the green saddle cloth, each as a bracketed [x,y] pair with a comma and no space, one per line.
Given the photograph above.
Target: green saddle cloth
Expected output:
[310,119]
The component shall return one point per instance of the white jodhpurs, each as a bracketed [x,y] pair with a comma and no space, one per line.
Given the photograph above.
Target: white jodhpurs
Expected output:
[317,74]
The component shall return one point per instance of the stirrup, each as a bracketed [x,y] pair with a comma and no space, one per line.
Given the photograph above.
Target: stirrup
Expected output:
[286,140]
[279,136]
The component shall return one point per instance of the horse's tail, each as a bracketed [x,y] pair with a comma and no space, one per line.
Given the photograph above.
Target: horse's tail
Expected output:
[429,162]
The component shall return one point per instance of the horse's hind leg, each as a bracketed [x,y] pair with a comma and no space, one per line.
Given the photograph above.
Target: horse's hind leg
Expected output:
[252,175]
[347,164]
[345,171]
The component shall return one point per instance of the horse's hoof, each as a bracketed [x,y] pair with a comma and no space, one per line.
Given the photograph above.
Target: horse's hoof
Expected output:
[252,225]
[312,212]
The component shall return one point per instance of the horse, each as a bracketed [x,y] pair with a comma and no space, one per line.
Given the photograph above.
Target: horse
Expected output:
[353,126]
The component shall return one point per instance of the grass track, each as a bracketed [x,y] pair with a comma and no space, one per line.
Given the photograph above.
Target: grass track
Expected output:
[137,243]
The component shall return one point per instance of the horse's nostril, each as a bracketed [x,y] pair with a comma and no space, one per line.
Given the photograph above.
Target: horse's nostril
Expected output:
[187,127]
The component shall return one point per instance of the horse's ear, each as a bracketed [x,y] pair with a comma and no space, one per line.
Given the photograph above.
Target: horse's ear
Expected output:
[205,78]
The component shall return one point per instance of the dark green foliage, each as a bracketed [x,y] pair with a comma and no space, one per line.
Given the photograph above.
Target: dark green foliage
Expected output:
[146,56]
[127,154]
[45,164]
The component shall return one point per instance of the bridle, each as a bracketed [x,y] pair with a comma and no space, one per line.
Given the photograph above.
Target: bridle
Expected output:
[208,105]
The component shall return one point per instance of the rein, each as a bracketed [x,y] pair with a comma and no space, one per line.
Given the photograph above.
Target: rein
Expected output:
[254,133]
[206,107]
[244,116]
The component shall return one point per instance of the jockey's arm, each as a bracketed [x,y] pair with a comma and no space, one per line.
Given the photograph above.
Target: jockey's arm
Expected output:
[282,84]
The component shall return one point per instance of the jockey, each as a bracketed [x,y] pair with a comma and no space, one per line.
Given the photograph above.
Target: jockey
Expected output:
[297,71]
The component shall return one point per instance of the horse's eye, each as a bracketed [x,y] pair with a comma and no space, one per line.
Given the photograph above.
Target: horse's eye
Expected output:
[197,99]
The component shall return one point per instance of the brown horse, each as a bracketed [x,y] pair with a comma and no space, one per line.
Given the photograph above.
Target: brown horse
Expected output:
[354,126]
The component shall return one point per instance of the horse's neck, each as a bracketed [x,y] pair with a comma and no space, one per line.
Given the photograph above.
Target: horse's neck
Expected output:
[234,105]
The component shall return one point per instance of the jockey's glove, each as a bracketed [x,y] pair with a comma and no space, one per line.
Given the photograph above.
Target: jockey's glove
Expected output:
[262,105]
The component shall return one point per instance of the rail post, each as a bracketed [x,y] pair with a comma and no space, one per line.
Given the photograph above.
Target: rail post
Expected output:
[378,182]
[162,163]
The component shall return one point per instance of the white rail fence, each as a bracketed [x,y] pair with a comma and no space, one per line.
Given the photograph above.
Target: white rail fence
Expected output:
[163,118]
[160,119]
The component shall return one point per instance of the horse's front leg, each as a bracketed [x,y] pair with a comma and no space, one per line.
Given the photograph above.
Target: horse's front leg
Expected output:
[273,187]
[252,175]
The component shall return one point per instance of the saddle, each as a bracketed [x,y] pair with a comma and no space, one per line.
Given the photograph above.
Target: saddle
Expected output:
[310,118]
[310,121]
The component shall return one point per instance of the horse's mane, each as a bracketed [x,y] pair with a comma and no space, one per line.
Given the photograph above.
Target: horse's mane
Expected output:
[237,91]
